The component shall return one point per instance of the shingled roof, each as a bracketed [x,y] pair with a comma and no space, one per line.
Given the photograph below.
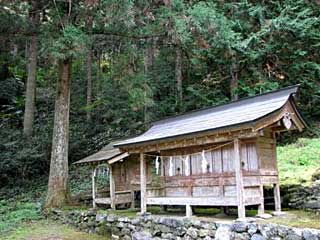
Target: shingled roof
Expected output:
[104,155]
[243,111]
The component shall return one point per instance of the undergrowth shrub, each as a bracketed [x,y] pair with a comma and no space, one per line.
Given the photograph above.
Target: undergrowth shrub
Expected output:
[13,213]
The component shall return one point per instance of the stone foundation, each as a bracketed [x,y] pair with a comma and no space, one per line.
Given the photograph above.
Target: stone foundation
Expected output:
[158,227]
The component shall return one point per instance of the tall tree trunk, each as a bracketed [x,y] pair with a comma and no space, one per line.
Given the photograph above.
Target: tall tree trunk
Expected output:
[99,71]
[57,194]
[148,58]
[234,78]
[148,63]
[178,75]
[234,67]
[32,70]
[89,83]
[89,23]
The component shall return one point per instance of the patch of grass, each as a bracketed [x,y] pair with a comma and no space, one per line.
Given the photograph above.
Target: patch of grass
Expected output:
[298,161]
[49,230]
[75,208]
[206,211]
[121,212]
[297,218]
[13,213]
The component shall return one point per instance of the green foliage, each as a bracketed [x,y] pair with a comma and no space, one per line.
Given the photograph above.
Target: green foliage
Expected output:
[140,93]
[298,161]
[13,213]
[19,158]
[80,180]
[69,44]
[303,152]
[266,45]
[213,26]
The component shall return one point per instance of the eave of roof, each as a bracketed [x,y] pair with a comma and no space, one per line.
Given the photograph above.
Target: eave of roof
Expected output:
[104,155]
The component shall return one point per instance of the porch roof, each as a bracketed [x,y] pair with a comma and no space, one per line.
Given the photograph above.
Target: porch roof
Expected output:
[243,111]
[107,154]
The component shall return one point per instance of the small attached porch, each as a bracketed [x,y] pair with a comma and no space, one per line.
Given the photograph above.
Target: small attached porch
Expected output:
[109,163]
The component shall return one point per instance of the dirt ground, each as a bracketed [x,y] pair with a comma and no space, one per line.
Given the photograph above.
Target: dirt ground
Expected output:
[49,230]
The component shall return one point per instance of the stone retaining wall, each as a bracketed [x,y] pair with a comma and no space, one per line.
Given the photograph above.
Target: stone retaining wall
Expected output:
[301,197]
[158,227]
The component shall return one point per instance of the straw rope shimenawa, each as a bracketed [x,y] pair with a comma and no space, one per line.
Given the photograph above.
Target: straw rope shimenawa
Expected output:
[196,153]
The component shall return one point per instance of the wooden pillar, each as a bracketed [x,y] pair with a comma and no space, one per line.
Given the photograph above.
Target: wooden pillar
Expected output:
[239,179]
[188,211]
[261,205]
[112,188]
[276,187]
[143,183]
[94,190]
[277,199]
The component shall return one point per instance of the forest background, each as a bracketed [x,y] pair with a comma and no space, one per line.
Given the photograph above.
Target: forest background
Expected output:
[128,63]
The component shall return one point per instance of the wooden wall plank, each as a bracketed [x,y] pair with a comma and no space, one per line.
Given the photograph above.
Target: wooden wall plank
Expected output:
[206,191]
[177,191]
[230,191]
[227,159]
[217,161]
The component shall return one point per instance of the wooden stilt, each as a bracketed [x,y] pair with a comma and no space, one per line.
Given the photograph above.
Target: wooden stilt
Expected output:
[239,179]
[188,211]
[163,208]
[143,183]
[261,206]
[277,199]
[94,188]
[221,210]
[132,200]
[224,210]
[112,189]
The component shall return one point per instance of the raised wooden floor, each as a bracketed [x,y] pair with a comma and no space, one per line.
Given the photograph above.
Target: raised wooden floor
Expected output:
[103,200]
[193,201]
[120,198]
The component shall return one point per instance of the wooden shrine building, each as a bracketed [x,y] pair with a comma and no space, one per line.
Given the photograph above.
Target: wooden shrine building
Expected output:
[219,156]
